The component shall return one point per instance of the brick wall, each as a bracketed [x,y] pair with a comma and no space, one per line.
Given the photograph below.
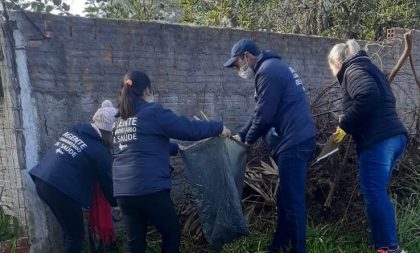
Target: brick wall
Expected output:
[74,63]
[83,60]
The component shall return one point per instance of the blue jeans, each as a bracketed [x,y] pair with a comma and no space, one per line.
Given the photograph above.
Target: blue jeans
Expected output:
[376,163]
[290,235]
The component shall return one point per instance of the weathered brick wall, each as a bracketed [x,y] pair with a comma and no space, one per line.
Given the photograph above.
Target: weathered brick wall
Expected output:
[11,197]
[74,63]
[83,60]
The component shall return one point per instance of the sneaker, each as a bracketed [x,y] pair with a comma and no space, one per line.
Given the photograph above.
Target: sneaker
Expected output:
[386,250]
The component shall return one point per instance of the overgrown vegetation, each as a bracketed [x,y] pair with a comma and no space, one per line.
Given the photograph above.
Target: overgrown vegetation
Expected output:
[336,237]
[337,221]
[322,237]
[359,19]
[9,229]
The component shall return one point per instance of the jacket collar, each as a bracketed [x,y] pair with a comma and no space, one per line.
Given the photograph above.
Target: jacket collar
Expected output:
[360,56]
[87,129]
[265,55]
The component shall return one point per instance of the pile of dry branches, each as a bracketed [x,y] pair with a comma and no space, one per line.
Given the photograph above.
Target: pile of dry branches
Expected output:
[332,188]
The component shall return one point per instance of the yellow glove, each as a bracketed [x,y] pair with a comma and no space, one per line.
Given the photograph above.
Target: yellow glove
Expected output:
[237,137]
[339,135]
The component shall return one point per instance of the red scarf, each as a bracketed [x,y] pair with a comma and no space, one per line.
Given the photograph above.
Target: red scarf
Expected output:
[100,218]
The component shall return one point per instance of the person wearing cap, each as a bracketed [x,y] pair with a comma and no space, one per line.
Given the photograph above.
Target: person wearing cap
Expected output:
[282,109]
[65,177]
[141,171]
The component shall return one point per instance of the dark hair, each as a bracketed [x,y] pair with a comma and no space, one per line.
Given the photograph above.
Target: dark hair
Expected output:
[107,139]
[134,84]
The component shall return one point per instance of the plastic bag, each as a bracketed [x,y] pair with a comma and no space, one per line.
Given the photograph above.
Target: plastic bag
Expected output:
[215,171]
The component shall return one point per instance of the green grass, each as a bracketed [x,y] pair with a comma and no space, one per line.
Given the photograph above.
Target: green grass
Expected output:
[329,238]
[335,238]
[255,243]
[321,238]
[409,224]
[9,228]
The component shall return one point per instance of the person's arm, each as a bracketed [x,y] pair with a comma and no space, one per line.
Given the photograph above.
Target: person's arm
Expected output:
[244,130]
[173,148]
[364,91]
[268,100]
[104,174]
[182,128]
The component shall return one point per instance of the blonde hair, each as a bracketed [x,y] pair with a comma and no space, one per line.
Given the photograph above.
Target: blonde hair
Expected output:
[343,51]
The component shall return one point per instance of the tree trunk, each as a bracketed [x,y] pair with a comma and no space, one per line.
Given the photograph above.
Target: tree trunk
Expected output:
[234,13]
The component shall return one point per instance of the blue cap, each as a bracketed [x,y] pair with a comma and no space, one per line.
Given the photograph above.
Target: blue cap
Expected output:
[239,49]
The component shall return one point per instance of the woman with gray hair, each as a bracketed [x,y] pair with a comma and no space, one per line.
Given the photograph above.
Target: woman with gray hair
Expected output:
[370,116]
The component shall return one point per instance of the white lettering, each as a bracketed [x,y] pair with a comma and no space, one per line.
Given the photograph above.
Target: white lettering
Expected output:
[70,144]
[125,130]
[75,139]
[128,122]
[68,149]
[126,137]
[297,78]
[298,82]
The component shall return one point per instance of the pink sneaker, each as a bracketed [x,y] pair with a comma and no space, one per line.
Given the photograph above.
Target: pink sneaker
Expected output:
[386,250]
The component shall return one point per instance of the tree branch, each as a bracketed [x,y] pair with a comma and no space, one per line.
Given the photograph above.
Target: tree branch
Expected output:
[403,57]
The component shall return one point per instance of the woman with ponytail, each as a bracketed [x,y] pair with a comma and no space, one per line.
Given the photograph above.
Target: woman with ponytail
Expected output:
[370,116]
[141,171]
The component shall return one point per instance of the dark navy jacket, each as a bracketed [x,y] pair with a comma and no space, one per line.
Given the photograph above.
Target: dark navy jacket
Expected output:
[370,114]
[142,147]
[281,103]
[76,162]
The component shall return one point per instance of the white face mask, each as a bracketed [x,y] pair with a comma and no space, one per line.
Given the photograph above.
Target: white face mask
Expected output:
[246,72]
[148,96]
[150,99]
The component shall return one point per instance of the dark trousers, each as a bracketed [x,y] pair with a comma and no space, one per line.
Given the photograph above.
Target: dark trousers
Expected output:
[156,208]
[290,235]
[68,213]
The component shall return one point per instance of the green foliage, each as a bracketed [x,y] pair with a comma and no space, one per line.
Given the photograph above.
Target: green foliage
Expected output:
[360,19]
[9,228]
[326,238]
[408,214]
[369,19]
[132,9]
[321,238]
[42,6]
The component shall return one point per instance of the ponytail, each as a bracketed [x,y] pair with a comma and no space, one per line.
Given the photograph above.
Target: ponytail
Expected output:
[134,84]
[343,51]
[352,47]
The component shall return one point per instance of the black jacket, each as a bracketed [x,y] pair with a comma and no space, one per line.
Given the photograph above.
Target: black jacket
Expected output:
[370,114]
[281,103]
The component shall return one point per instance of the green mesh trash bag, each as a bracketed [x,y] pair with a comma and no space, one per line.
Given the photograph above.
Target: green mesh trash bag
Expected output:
[215,171]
